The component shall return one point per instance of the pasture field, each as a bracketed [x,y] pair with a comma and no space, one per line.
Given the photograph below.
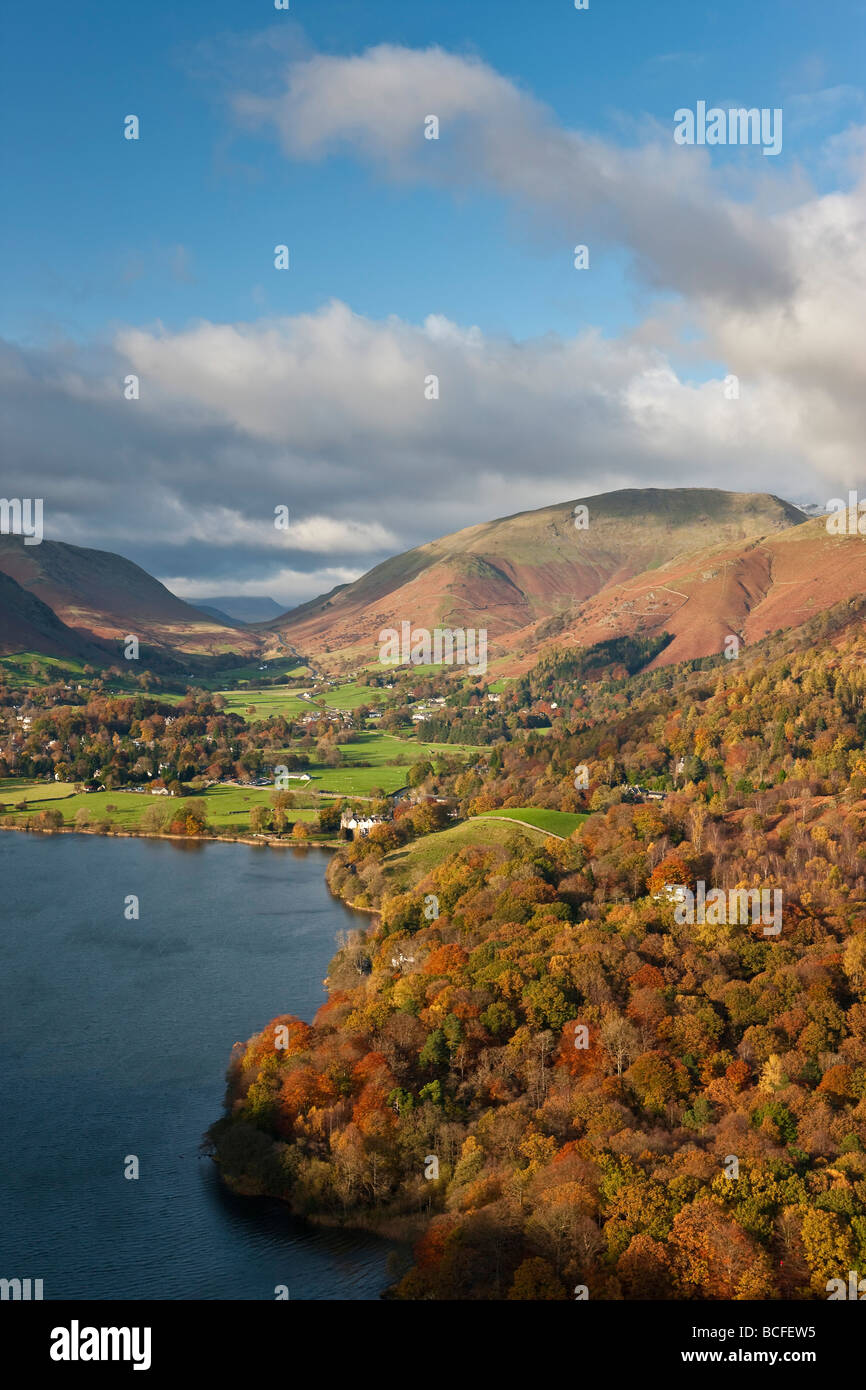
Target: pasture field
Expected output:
[389,758]
[14,789]
[252,673]
[286,700]
[562,823]
[228,807]
[406,866]
[350,696]
[268,702]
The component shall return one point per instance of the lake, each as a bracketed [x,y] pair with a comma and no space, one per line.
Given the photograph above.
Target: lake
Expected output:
[115,1039]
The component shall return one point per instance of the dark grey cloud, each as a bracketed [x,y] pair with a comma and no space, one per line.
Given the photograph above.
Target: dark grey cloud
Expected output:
[327,415]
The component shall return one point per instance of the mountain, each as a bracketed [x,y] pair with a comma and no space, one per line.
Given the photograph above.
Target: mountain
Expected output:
[218,615]
[512,575]
[29,625]
[747,589]
[697,563]
[102,595]
[242,609]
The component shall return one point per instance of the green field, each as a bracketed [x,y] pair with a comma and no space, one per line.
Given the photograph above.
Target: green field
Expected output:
[562,823]
[391,673]
[14,789]
[269,702]
[251,673]
[18,672]
[228,807]
[381,751]
[285,700]
[349,696]
[407,866]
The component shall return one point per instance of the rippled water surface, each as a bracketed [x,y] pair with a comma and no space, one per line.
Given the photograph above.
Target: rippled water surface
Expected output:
[115,1037]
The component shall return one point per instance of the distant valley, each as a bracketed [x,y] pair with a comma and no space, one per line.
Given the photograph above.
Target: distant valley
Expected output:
[699,564]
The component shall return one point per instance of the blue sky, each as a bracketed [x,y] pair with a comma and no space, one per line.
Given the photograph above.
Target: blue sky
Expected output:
[99,220]
[110,235]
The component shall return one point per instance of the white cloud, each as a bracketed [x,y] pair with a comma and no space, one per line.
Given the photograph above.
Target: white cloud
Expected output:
[325,412]
[286,586]
[661,200]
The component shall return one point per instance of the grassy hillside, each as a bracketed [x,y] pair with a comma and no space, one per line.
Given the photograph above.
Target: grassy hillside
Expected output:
[508,575]
[102,595]
[562,823]
[407,866]
[28,625]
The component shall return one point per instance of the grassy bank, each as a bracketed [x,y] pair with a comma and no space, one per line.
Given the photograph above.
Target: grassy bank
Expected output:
[562,823]
[406,866]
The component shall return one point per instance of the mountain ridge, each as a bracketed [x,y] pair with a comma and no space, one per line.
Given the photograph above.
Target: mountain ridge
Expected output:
[702,564]
[513,572]
[104,596]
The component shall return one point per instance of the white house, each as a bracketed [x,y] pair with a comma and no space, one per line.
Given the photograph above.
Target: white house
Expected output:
[359,824]
[400,960]
[674,893]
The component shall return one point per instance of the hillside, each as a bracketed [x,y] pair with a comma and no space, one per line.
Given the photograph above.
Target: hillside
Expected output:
[581,1051]
[241,608]
[29,625]
[697,563]
[407,866]
[512,574]
[748,589]
[103,595]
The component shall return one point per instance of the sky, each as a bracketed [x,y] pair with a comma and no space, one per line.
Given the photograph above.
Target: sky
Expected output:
[715,337]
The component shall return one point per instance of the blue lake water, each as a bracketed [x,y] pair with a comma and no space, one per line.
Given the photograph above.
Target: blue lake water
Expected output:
[115,1038]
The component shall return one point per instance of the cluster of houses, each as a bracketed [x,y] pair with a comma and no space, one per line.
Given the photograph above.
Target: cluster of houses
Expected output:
[632,792]
[674,893]
[425,708]
[356,824]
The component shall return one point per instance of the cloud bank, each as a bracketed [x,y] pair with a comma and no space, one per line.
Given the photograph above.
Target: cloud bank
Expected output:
[328,413]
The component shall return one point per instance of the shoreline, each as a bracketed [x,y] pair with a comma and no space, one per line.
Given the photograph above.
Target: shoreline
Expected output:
[401,1228]
[260,841]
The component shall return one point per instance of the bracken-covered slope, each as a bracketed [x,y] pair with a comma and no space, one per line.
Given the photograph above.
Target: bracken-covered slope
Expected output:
[512,575]
[106,596]
[29,625]
[747,590]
